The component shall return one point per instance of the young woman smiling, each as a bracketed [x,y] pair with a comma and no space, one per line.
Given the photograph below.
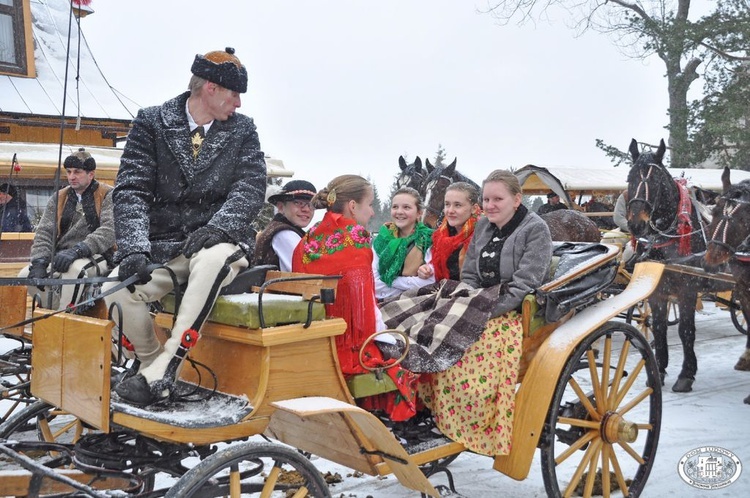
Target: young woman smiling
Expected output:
[402,247]
[451,240]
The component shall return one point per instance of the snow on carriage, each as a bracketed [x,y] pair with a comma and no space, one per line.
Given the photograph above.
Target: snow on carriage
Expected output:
[589,399]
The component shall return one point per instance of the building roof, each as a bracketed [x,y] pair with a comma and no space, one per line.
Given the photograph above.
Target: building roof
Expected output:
[41,160]
[93,96]
[537,180]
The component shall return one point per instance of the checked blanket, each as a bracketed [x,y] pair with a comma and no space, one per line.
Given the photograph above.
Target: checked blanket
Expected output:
[442,321]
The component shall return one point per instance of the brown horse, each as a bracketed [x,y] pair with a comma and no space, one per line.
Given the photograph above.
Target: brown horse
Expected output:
[433,190]
[729,243]
[662,217]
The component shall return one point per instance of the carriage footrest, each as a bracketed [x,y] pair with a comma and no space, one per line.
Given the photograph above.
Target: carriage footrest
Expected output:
[214,410]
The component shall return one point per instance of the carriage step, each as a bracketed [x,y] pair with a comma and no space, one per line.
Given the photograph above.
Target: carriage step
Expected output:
[202,409]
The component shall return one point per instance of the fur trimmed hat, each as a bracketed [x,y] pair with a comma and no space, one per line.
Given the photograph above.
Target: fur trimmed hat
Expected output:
[81,160]
[223,68]
[296,189]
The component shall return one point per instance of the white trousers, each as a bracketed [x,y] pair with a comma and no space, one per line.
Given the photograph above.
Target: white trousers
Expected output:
[64,295]
[201,273]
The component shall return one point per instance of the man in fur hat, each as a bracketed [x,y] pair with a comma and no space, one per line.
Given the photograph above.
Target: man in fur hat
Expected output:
[76,235]
[192,178]
[294,211]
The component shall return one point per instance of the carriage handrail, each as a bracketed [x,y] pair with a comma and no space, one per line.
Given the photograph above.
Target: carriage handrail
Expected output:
[324,296]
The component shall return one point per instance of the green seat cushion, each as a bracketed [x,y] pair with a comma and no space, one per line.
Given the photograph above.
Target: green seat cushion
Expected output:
[242,309]
[369,384]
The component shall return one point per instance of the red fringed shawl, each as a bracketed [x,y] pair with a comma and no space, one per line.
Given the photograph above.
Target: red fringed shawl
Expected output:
[443,244]
[684,224]
[339,246]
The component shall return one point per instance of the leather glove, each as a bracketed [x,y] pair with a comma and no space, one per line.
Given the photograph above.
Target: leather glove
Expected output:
[63,259]
[203,238]
[135,264]
[38,269]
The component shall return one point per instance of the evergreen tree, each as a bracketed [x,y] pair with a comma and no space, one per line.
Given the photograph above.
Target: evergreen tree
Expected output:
[685,36]
[382,210]
[439,161]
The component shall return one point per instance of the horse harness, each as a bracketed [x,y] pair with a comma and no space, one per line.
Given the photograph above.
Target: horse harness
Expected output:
[719,235]
[430,209]
[681,228]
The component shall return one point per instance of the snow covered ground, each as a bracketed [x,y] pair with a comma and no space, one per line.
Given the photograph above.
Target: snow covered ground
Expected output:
[712,415]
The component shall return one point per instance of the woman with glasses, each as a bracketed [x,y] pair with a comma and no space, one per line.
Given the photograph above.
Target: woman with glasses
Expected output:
[294,211]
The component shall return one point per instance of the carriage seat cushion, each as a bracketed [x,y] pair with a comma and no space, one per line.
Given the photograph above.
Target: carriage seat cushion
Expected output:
[241,310]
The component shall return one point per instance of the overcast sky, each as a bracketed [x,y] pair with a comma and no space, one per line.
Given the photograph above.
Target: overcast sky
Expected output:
[347,86]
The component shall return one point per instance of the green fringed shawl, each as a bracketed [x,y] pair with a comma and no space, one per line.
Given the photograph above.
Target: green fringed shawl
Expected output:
[392,250]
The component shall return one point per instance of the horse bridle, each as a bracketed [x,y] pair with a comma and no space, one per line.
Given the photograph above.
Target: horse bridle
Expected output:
[643,184]
[722,227]
[437,212]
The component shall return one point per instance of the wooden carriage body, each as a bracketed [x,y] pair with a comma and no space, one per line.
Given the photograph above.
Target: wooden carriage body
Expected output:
[284,381]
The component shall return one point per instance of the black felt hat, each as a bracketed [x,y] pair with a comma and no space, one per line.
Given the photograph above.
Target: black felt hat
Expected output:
[552,194]
[296,189]
[223,68]
[81,160]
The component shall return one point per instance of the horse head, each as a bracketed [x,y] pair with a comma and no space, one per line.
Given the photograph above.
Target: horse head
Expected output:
[729,231]
[412,175]
[652,193]
[433,190]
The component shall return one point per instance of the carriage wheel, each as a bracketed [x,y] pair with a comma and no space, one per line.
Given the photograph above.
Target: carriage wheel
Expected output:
[252,469]
[738,318]
[42,422]
[639,315]
[604,420]
[15,366]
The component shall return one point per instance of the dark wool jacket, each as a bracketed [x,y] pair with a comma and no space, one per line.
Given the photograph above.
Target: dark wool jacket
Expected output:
[14,217]
[162,194]
[524,259]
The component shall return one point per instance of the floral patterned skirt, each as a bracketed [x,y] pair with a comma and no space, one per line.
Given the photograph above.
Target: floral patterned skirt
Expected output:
[473,401]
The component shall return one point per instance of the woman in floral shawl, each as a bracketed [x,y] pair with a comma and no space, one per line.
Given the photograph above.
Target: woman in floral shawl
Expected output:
[402,247]
[340,245]
[451,240]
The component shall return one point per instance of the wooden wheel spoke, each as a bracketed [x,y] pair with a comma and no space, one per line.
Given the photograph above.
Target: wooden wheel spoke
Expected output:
[593,464]
[301,492]
[584,399]
[605,374]
[618,374]
[235,487]
[606,485]
[68,426]
[577,422]
[271,480]
[575,446]
[618,474]
[595,384]
[629,383]
[635,401]
[630,451]
[592,450]
[645,427]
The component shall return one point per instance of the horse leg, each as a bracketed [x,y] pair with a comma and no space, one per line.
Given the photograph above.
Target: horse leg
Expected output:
[658,303]
[743,295]
[686,330]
